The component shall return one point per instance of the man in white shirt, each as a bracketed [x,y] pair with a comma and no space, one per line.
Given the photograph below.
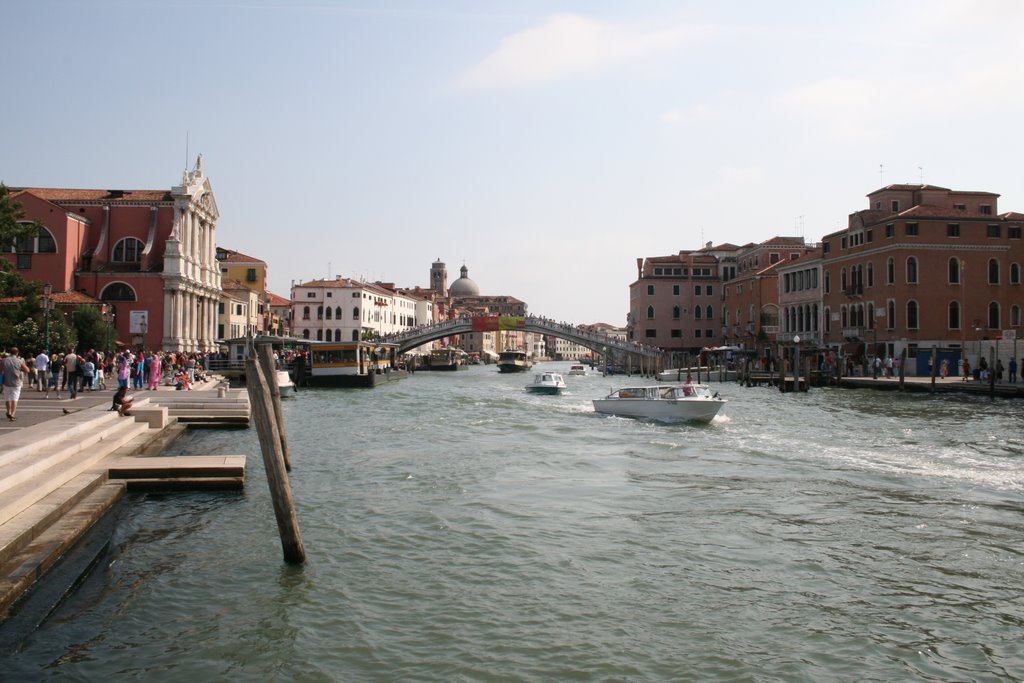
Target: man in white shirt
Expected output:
[42,363]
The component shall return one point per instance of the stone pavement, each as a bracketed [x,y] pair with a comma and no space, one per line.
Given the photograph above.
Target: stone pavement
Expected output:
[34,409]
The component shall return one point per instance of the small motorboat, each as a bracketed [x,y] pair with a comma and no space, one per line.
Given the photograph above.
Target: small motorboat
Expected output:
[285,385]
[546,383]
[675,403]
[577,369]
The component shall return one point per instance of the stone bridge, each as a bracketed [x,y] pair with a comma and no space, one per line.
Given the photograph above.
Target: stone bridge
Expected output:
[638,357]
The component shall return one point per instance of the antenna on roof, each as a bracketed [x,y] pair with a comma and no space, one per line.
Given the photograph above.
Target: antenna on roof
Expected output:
[800,225]
[186,151]
[881,175]
[920,170]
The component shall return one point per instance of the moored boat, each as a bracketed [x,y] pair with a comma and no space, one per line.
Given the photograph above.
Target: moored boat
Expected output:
[285,385]
[546,383]
[352,364]
[675,403]
[513,361]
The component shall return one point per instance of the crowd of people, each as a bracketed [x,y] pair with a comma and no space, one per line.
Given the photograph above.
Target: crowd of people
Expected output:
[74,372]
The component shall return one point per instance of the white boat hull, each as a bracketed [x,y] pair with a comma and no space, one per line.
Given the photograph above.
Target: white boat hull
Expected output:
[680,403]
[285,386]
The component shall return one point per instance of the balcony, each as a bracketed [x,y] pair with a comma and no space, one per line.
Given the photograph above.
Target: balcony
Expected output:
[854,332]
[854,291]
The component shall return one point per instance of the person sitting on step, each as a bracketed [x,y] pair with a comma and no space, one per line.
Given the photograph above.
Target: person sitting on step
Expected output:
[122,401]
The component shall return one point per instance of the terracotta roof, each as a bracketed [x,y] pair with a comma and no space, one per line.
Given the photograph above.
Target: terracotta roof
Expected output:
[233,283]
[70,298]
[1012,216]
[61,195]
[277,300]
[906,187]
[345,283]
[238,257]
[932,211]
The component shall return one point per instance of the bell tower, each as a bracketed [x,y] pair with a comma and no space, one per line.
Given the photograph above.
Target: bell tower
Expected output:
[439,277]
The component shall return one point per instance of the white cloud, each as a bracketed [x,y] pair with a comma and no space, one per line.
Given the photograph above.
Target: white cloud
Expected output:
[568,45]
[697,114]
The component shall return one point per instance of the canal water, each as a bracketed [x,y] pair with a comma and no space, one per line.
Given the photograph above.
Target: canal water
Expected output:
[460,529]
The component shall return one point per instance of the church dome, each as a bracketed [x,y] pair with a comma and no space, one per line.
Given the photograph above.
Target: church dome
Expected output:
[464,286]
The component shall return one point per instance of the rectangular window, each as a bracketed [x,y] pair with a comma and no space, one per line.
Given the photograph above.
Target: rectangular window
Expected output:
[696,333]
[675,290]
[24,261]
[895,205]
[890,230]
[994,232]
[825,247]
[310,295]
[1014,232]
[842,243]
[250,275]
[650,334]
[710,290]
[650,290]
[985,209]
[952,230]
[911,228]
[960,207]
[220,308]
[696,290]
[707,334]
[657,271]
[677,334]
[871,235]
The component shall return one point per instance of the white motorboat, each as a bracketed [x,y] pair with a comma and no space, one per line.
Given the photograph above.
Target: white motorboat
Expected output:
[285,385]
[546,383]
[577,369]
[677,402]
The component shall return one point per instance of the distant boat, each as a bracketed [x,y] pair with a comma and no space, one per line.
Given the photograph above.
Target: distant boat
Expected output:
[285,385]
[679,402]
[513,361]
[352,364]
[546,383]
[577,369]
[447,359]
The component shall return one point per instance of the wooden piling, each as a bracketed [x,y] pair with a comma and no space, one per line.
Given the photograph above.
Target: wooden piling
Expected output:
[934,366]
[270,373]
[903,367]
[273,461]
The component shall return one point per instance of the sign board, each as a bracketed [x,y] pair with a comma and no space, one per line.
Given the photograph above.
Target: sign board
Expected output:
[1009,334]
[138,322]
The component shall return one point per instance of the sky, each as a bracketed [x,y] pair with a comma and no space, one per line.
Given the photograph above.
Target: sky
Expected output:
[546,146]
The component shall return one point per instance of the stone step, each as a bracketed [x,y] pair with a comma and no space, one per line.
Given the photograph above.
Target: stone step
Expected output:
[185,484]
[22,528]
[29,490]
[32,462]
[194,466]
[20,571]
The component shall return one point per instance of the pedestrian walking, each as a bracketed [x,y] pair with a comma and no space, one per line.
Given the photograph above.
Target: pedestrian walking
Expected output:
[1012,368]
[72,371]
[15,369]
[54,381]
[42,363]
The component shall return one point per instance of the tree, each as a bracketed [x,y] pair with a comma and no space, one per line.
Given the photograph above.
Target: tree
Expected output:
[89,328]
[13,227]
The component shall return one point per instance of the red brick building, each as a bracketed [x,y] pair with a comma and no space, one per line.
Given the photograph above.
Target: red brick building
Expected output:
[923,266]
[149,254]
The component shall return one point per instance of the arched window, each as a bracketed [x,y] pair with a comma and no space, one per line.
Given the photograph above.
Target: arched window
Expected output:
[675,312]
[320,335]
[845,316]
[842,279]
[650,312]
[337,335]
[328,312]
[1015,316]
[709,313]
[954,315]
[891,311]
[117,291]
[337,312]
[911,270]
[871,275]
[696,312]
[912,322]
[42,243]
[355,335]
[319,312]
[828,320]
[128,250]
[890,271]
[814,318]
[305,314]
[1014,273]
[993,316]
[954,271]
[355,315]
[993,271]
[871,315]
[305,334]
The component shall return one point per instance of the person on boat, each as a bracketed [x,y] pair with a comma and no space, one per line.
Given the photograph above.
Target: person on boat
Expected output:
[688,385]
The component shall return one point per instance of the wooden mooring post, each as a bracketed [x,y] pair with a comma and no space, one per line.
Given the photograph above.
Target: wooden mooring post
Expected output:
[273,462]
[270,373]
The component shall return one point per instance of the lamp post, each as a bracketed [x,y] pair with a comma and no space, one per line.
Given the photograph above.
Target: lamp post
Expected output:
[47,306]
[108,317]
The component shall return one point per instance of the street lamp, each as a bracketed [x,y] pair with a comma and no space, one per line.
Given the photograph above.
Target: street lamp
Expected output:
[108,317]
[47,306]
